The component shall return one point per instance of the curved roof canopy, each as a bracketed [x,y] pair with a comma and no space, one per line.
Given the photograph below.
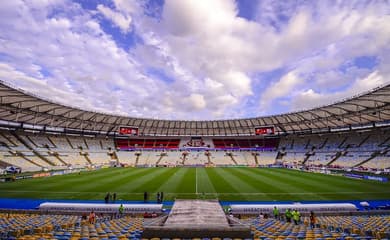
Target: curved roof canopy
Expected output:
[369,108]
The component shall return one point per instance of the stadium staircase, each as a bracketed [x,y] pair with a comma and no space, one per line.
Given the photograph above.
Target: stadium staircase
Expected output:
[86,156]
[137,155]
[161,156]
[255,155]
[308,154]
[57,156]
[85,142]
[342,142]
[183,158]
[324,143]
[373,155]
[4,164]
[70,143]
[384,143]
[337,156]
[25,143]
[51,141]
[13,144]
[209,162]
[20,154]
[230,154]
[363,141]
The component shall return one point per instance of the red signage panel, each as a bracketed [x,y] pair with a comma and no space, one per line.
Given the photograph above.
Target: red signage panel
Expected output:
[128,131]
[265,130]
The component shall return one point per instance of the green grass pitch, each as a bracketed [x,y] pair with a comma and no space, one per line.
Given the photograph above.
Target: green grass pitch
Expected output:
[231,184]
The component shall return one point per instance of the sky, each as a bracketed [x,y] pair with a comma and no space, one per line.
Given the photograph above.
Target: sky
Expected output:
[195,59]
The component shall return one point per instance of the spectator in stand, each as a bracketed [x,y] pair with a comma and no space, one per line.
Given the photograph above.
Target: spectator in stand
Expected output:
[261,217]
[312,220]
[92,217]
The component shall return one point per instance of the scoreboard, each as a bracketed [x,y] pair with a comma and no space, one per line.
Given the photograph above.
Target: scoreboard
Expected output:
[132,131]
[269,130]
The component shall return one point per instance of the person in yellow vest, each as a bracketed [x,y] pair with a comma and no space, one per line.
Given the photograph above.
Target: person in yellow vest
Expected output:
[288,215]
[276,212]
[295,216]
[121,210]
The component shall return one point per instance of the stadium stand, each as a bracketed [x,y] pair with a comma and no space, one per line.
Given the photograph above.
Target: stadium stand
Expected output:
[37,135]
[352,149]
[327,227]
[37,226]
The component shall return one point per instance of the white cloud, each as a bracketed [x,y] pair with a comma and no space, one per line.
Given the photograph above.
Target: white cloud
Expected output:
[120,20]
[197,101]
[281,88]
[311,98]
[208,52]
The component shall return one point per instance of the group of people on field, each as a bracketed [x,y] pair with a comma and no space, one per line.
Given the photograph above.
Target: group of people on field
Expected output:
[110,198]
[293,215]
[159,197]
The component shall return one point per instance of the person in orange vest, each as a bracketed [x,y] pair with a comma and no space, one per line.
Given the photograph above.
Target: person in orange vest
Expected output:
[92,217]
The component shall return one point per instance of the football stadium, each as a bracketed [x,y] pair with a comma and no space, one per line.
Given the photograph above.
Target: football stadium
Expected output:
[89,152]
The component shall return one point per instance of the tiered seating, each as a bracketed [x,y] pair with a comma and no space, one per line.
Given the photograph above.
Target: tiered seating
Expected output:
[99,157]
[77,142]
[328,227]
[148,158]
[40,141]
[20,162]
[17,225]
[65,227]
[380,162]
[195,158]
[351,159]
[126,157]
[357,147]
[267,158]
[375,226]
[220,158]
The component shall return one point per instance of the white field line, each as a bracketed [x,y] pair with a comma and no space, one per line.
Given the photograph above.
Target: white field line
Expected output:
[196,180]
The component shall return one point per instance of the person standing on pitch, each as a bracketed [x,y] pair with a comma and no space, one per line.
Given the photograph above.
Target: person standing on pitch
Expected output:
[162,196]
[158,197]
[145,197]
[107,198]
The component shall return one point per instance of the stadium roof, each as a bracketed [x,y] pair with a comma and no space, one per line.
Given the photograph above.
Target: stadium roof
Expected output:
[18,106]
